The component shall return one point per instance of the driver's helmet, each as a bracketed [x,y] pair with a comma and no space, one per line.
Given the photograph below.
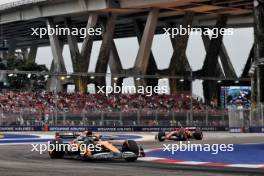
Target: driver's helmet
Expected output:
[89,133]
[57,135]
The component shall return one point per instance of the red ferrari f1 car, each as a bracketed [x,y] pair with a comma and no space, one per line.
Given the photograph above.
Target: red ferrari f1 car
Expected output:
[181,134]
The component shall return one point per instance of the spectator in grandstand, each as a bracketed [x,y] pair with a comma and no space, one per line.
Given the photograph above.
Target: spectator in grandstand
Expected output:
[47,102]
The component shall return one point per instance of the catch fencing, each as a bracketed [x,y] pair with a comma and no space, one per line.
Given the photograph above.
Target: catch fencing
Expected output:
[246,120]
[235,119]
[97,118]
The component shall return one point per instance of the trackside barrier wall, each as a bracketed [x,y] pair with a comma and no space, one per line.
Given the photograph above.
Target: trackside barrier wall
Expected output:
[101,128]
[256,129]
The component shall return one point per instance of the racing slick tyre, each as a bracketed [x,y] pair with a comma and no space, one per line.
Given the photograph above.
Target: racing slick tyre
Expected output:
[56,153]
[131,146]
[161,136]
[198,134]
[182,135]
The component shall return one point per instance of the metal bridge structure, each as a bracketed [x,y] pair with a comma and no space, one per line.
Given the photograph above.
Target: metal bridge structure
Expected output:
[142,19]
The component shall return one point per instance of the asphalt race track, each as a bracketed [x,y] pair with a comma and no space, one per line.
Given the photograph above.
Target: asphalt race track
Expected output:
[19,160]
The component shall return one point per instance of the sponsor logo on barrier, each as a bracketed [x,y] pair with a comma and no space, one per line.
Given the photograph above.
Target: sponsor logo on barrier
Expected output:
[256,129]
[235,130]
[11,128]
[55,128]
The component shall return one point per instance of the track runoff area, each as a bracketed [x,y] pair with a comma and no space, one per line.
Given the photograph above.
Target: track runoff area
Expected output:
[218,153]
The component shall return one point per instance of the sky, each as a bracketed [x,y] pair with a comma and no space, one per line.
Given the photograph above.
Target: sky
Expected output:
[238,47]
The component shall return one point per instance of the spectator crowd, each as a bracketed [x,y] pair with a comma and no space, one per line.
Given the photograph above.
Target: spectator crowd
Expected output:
[75,102]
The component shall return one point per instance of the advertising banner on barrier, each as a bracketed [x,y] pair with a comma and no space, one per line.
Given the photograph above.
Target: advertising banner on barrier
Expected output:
[20,128]
[100,128]
[127,129]
[256,129]
[237,130]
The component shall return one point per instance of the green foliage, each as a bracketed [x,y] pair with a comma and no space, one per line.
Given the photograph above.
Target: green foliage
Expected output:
[25,81]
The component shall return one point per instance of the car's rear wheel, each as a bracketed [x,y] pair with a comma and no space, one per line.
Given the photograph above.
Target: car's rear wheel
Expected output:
[131,146]
[161,136]
[198,134]
[56,153]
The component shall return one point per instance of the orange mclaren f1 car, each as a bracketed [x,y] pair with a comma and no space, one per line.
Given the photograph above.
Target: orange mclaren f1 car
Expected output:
[92,147]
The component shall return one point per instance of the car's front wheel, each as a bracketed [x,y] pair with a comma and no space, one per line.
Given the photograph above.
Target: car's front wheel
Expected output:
[131,146]
[56,151]
[161,136]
